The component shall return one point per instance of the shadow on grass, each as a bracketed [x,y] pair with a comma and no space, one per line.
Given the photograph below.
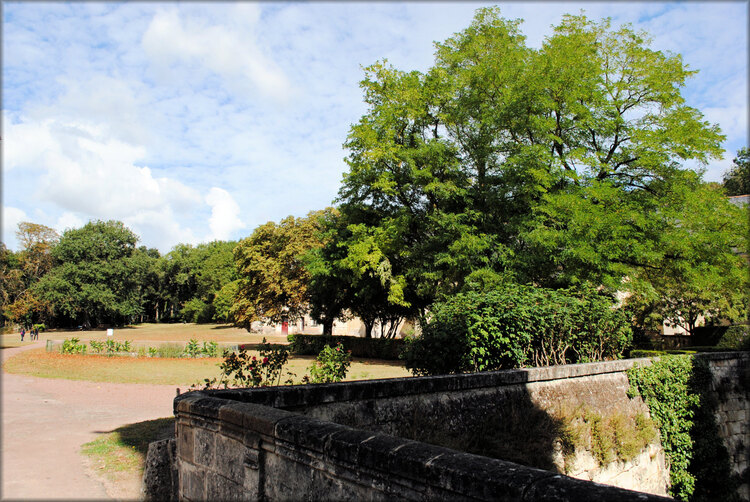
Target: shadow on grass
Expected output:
[138,435]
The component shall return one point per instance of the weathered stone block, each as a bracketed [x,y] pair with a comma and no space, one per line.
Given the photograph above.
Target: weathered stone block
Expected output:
[229,458]
[160,478]
[204,448]
[192,485]
[185,442]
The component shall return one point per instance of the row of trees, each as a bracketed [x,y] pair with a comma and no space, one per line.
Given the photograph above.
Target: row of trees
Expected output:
[562,167]
[98,275]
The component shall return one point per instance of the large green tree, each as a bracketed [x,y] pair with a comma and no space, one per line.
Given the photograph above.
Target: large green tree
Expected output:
[273,278]
[94,279]
[555,166]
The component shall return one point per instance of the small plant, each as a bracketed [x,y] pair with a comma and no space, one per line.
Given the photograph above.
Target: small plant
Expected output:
[73,346]
[125,346]
[331,365]
[111,347]
[96,347]
[192,349]
[210,349]
[152,352]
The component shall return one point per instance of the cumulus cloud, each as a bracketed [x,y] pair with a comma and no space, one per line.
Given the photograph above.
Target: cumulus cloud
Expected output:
[68,220]
[228,51]
[90,175]
[225,212]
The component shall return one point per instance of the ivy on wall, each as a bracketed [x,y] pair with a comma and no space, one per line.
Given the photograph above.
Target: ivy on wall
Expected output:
[676,390]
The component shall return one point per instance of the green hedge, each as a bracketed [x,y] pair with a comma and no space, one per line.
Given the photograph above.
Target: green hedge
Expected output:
[369,348]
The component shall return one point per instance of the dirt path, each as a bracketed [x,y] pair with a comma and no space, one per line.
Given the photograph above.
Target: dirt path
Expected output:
[45,422]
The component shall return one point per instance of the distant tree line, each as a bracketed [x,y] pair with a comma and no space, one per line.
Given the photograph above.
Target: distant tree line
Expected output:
[98,275]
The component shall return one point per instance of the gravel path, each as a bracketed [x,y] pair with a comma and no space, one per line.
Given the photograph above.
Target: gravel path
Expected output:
[45,422]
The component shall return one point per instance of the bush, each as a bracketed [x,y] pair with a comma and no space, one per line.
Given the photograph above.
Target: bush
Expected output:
[240,369]
[517,326]
[331,366]
[170,350]
[73,346]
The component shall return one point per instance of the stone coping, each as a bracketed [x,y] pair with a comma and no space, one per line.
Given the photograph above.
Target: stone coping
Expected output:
[293,396]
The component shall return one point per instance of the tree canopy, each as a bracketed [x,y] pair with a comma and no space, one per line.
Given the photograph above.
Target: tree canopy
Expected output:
[557,166]
[273,279]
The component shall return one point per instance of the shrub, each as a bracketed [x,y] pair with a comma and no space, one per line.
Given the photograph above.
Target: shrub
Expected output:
[517,326]
[240,369]
[331,365]
[210,349]
[96,347]
[73,346]
[170,350]
[192,349]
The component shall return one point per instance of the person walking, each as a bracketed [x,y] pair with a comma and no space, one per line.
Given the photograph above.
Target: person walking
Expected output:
[23,332]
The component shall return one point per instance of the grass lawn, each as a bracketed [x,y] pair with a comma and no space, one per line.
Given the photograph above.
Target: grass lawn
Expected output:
[166,371]
[177,332]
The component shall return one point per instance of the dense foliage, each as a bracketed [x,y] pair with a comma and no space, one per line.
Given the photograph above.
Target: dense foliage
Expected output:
[273,279]
[96,275]
[514,326]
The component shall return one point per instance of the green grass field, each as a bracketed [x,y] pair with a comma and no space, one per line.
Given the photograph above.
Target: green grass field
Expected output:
[164,371]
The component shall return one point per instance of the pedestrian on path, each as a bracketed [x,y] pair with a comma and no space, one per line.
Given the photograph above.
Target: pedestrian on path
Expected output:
[23,332]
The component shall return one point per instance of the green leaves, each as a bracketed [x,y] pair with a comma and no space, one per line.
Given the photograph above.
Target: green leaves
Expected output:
[510,326]
[554,166]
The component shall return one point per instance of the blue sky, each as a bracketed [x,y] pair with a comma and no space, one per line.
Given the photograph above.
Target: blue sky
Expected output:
[191,122]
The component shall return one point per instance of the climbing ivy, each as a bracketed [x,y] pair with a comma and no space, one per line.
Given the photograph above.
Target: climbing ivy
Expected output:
[676,390]
[664,388]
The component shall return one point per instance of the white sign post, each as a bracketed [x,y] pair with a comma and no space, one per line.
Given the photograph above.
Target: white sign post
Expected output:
[110,332]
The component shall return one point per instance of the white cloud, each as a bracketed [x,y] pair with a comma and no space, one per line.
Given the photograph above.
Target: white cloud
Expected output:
[225,212]
[12,216]
[68,220]
[228,51]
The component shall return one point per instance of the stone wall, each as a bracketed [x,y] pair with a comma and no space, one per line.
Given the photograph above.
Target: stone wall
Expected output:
[369,439]
[730,386]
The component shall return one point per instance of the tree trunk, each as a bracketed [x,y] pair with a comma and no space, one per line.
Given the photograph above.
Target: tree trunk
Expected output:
[328,327]
[368,328]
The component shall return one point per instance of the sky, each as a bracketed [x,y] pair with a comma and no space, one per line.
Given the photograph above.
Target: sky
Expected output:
[192,122]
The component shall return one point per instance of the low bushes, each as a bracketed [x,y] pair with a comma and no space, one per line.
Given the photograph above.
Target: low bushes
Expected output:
[368,348]
[111,347]
[518,326]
